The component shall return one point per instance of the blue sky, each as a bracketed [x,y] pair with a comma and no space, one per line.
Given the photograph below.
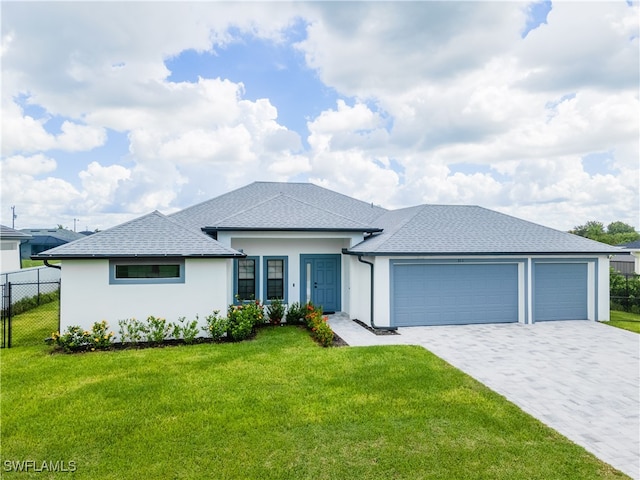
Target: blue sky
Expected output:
[526,108]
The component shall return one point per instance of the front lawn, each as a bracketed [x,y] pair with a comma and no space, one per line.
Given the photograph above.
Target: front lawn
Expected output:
[625,320]
[276,407]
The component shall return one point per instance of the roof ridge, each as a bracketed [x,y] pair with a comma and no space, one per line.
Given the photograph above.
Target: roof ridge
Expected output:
[328,211]
[246,209]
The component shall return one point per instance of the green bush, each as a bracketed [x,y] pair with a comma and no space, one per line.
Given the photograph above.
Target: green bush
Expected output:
[29,303]
[295,314]
[217,325]
[243,319]
[276,311]
[157,329]
[186,330]
[317,323]
[131,330]
[76,339]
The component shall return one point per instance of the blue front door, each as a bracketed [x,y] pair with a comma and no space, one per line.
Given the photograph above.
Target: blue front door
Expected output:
[320,280]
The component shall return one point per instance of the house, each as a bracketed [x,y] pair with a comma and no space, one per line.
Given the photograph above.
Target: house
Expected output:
[45,238]
[423,265]
[628,264]
[10,240]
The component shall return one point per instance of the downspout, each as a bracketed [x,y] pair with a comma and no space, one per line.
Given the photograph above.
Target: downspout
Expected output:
[46,262]
[373,325]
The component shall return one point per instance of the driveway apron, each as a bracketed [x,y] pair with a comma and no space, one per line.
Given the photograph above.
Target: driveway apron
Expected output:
[581,378]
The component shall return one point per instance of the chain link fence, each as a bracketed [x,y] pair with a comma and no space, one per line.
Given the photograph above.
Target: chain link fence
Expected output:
[30,312]
[624,290]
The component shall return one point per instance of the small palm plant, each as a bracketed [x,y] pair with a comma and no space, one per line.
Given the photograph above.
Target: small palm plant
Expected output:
[276,311]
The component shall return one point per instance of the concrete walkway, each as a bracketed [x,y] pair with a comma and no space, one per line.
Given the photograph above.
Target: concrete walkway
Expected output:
[581,378]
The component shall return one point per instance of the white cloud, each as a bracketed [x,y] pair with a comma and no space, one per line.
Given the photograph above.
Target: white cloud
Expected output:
[431,85]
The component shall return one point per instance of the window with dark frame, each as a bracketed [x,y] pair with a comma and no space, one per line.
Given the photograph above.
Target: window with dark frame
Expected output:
[275,279]
[246,279]
[131,271]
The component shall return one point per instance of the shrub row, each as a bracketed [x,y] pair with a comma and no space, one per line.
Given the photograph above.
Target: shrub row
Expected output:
[239,324]
[29,303]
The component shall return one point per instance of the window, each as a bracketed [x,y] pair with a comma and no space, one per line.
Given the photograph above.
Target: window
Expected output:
[144,272]
[275,278]
[245,274]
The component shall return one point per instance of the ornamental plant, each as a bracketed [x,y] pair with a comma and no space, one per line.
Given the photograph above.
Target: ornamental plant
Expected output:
[275,311]
[216,325]
[243,319]
[317,323]
[186,330]
[295,314]
[157,329]
[75,338]
[131,331]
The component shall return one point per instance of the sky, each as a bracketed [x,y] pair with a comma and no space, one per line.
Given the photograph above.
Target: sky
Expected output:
[112,110]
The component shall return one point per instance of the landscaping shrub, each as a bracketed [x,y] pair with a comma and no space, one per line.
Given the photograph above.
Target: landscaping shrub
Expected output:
[295,314]
[188,331]
[30,303]
[317,323]
[131,330]
[275,311]
[76,339]
[217,326]
[243,319]
[157,329]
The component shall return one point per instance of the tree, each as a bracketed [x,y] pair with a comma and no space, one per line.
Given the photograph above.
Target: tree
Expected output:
[615,233]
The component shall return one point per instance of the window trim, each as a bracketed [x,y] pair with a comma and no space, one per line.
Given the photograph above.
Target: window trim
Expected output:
[285,276]
[113,280]
[256,259]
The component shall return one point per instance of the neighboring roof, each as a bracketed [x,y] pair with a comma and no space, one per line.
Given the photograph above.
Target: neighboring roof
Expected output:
[284,212]
[153,235]
[50,235]
[471,230]
[8,233]
[329,205]
[635,245]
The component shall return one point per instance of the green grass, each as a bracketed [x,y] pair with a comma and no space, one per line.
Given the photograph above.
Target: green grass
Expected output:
[625,320]
[276,407]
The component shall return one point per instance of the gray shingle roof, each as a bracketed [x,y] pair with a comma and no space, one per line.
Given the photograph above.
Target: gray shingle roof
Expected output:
[153,235]
[447,229]
[9,233]
[56,233]
[226,207]
[635,245]
[284,212]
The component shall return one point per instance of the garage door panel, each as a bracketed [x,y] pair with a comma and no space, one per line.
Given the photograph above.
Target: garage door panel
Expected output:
[560,291]
[450,294]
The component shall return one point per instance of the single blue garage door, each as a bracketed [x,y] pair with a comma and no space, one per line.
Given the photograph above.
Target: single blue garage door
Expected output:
[453,294]
[560,291]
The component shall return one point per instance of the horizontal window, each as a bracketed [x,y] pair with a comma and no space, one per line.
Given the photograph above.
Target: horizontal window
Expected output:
[146,272]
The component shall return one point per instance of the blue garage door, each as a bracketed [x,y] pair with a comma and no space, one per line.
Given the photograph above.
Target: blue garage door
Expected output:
[560,291]
[430,294]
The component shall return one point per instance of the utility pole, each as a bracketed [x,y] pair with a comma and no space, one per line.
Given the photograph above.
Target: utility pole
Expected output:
[74,223]
[13,217]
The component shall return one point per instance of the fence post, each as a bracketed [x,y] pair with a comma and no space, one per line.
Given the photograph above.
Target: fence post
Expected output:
[4,318]
[9,314]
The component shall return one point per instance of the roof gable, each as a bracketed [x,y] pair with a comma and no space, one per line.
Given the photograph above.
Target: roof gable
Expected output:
[152,235]
[460,229]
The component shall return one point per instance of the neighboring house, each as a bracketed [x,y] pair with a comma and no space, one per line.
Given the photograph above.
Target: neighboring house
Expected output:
[10,240]
[628,263]
[45,239]
[424,265]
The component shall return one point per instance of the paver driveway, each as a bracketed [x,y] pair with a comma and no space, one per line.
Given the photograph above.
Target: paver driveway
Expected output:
[579,377]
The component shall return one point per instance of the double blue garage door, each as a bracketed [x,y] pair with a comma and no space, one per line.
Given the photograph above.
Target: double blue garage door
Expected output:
[455,294]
